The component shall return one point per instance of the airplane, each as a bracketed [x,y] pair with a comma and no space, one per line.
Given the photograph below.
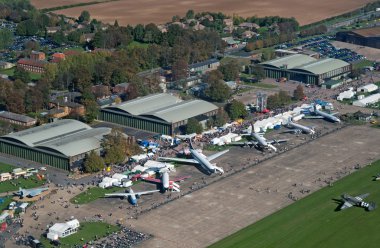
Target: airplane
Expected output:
[29,192]
[260,141]
[131,195]
[349,201]
[323,115]
[166,183]
[377,177]
[199,158]
[298,128]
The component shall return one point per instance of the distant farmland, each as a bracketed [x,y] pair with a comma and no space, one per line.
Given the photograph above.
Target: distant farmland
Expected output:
[146,11]
[45,4]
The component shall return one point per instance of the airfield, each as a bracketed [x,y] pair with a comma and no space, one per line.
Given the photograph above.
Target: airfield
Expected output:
[148,11]
[227,203]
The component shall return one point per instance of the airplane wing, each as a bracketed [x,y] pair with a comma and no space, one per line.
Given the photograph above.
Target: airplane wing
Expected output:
[180,160]
[216,155]
[153,180]
[278,141]
[363,196]
[36,192]
[346,205]
[243,143]
[147,192]
[178,179]
[313,117]
[118,195]
[335,113]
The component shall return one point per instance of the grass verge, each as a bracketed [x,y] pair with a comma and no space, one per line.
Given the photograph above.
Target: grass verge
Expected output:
[313,221]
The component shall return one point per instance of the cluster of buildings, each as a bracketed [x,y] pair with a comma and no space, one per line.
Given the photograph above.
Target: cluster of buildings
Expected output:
[306,69]
[37,62]
[18,172]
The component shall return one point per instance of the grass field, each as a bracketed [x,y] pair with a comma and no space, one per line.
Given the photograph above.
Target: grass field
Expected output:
[10,72]
[12,185]
[313,221]
[87,231]
[92,194]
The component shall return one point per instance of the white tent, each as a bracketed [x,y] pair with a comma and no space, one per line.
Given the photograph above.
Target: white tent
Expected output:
[367,100]
[348,94]
[119,177]
[368,88]
[107,182]
[62,230]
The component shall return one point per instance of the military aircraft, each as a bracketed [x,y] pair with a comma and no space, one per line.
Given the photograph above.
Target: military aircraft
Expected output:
[298,128]
[131,195]
[317,114]
[198,158]
[259,142]
[29,192]
[165,182]
[348,201]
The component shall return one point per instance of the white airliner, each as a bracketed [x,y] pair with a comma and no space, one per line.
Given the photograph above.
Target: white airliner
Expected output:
[200,159]
[131,195]
[323,115]
[260,141]
[166,183]
[186,136]
[298,128]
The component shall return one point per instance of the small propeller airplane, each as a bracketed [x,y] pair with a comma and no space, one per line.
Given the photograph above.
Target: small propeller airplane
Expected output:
[348,201]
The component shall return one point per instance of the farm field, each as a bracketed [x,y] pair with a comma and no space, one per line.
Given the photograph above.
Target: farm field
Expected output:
[43,4]
[313,221]
[147,11]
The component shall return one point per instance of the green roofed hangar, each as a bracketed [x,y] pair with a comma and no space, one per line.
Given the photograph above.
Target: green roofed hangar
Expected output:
[306,69]
[159,113]
[62,144]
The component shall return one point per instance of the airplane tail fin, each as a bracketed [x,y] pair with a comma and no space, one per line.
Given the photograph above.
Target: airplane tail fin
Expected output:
[371,206]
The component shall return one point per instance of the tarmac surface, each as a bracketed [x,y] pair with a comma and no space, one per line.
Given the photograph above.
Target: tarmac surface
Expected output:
[222,208]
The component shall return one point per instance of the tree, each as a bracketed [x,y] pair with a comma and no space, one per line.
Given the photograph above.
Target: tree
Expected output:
[217,90]
[84,16]
[298,93]
[93,162]
[236,110]
[114,147]
[257,71]
[6,38]
[193,126]
[180,69]
[22,75]
[220,118]
[230,70]
[190,14]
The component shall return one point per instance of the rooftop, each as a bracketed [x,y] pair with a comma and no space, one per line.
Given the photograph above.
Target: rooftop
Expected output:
[203,63]
[67,137]
[322,66]
[16,117]
[290,61]
[368,32]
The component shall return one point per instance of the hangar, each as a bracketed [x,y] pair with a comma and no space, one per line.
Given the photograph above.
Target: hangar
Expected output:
[62,144]
[159,113]
[364,37]
[306,69]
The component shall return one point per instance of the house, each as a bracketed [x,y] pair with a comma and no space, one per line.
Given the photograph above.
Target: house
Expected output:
[63,108]
[37,55]
[120,89]
[86,37]
[249,25]
[248,34]
[61,230]
[228,22]
[68,53]
[162,28]
[208,17]
[17,119]
[30,65]
[228,29]
[231,42]
[182,25]
[198,26]
[204,66]
[52,30]
[6,65]
[101,91]
[57,57]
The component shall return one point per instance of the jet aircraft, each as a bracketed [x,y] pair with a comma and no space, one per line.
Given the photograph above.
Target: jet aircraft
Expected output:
[199,158]
[348,201]
[259,142]
[29,192]
[166,183]
[298,128]
[317,114]
[131,195]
